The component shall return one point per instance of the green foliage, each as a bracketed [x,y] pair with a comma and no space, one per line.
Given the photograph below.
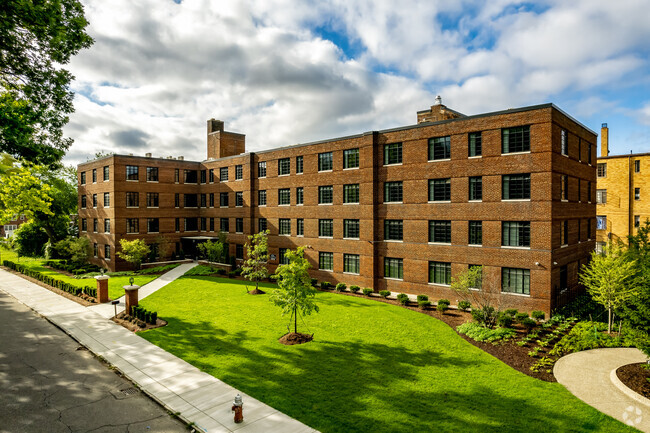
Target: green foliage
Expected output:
[340,287]
[28,240]
[512,312]
[520,317]
[590,335]
[325,285]
[486,316]
[403,298]
[424,304]
[544,363]
[505,320]
[480,333]
[143,314]
[213,251]
[528,323]
[133,251]
[583,307]
[384,293]
[636,311]
[257,256]
[443,305]
[423,298]
[354,288]
[367,291]
[538,315]
[464,305]
[76,249]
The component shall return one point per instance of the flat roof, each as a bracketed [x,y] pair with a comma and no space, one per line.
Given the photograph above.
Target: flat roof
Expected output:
[624,155]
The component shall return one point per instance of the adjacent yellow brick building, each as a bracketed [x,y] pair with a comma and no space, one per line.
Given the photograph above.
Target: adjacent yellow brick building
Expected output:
[622,193]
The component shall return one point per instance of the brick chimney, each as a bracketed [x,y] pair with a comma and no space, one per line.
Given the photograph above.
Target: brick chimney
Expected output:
[604,140]
[223,143]
[438,112]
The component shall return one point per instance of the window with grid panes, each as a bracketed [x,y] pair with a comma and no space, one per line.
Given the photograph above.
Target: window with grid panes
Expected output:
[564,142]
[261,197]
[515,139]
[637,221]
[515,186]
[152,199]
[325,228]
[223,199]
[204,224]
[637,193]
[601,222]
[191,224]
[325,194]
[351,263]
[177,200]
[239,199]
[106,173]
[439,148]
[601,196]
[476,188]
[107,252]
[204,176]
[83,201]
[325,261]
[515,233]
[393,230]
[300,195]
[211,175]
[351,193]
[261,169]
[239,251]
[514,280]
[191,176]
[223,174]
[239,225]
[190,200]
[351,228]
[284,166]
[440,231]
[300,227]
[325,161]
[282,256]
[261,224]
[107,199]
[224,225]
[84,225]
[299,164]
[393,268]
[132,199]
[211,224]
[95,225]
[589,191]
[177,224]
[284,226]
[475,233]
[440,273]
[392,153]
[95,250]
[440,189]
[94,175]
[565,233]
[152,174]
[565,187]
[475,146]
[177,176]
[284,197]
[351,158]
[204,201]
[601,169]
[152,225]
[239,172]
[94,200]
[637,166]
[211,198]
[393,192]
[83,178]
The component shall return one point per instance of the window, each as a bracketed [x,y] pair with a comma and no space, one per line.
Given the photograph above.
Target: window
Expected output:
[84,225]
[282,256]
[223,199]
[325,228]
[325,261]
[393,192]
[601,196]
[515,233]
[284,166]
[106,173]
[191,224]
[211,175]
[239,199]
[239,251]
[190,176]
[152,174]
[351,193]
[131,172]
[83,201]
[637,193]
[300,227]
[589,150]
[190,200]
[637,166]
[515,139]
[325,194]
[284,197]
[203,200]
[579,149]
[239,225]
[203,176]
[211,224]
[224,225]
[177,175]
[132,225]
[393,268]
[261,224]
[351,158]
[515,280]
[299,164]
[239,172]
[440,231]
[300,195]
[475,233]
[223,174]
[177,224]
[565,187]
[601,222]
[589,229]
[589,191]
[94,175]
[107,252]
[440,189]
[177,200]
[600,247]
[95,225]
[351,229]
[564,141]
[601,169]
[476,188]
[565,233]
[351,263]
[211,199]
[107,199]
[393,230]
[392,153]
[475,148]
[580,190]
[152,225]
[325,162]
[515,186]
[83,178]
[284,226]
[637,220]
[94,200]
[440,273]
[439,148]
[95,250]
[152,199]
[204,224]
[261,197]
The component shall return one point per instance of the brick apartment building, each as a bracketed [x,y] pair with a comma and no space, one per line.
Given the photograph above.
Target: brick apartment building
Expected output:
[401,209]
[622,193]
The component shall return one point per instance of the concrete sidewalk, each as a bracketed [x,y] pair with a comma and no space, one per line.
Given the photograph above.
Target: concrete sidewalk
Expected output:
[107,310]
[588,376]
[180,387]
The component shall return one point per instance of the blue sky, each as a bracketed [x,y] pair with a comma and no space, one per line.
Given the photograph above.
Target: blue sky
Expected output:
[285,72]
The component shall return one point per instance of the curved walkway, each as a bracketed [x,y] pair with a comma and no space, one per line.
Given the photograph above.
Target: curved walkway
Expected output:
[588,376]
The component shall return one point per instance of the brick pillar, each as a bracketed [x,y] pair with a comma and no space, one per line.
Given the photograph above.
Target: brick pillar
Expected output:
[102,288]
[131,297]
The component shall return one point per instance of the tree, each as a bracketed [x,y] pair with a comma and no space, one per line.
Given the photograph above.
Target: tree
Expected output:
[29,239]
[295,293]
[133,252]
[257,255]
[36,39]
[610,278]
[76,249]
[471,287]
[213,251]
[636,311]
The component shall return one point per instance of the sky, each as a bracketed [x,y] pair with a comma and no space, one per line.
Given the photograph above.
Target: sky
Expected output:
[285,72]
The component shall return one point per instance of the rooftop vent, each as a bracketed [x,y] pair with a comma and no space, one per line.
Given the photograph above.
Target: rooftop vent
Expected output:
[170,157]
[148,155]
[130,154]
[438,100]
[180,158]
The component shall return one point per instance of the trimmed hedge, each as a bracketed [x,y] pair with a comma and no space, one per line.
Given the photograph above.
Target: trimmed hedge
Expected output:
[144,314]
[51,281]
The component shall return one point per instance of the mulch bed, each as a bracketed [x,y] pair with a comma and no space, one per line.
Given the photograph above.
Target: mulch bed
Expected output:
[256,292]
[83,300]
[136,325]
[635,377]
[295,338]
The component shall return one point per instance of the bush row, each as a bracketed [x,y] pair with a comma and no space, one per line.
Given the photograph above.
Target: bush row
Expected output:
[72,267]
[51,281]
[144,314]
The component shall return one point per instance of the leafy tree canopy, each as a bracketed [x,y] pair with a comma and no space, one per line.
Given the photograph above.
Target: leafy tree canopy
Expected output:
[257,255]
[133,251]
[36,39]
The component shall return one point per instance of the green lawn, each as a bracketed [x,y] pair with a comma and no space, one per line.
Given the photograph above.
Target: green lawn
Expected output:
[115,284]
[372,367]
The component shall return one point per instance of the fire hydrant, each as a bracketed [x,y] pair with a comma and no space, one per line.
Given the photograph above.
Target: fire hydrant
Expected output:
[238,408]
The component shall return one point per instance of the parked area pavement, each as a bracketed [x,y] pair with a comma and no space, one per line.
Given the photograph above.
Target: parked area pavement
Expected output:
[49,385]
[180,387]
[588,376]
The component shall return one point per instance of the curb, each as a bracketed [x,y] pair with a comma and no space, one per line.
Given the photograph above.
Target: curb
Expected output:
[627,391]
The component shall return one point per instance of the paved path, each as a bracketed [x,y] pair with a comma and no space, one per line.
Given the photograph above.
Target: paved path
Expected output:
[588,375]
[107,310]
[177,385]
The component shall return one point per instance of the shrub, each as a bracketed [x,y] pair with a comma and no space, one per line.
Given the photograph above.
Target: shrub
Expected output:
[505,320]
[512,312]
[424,304]
[479,333]
[221,271]
[464,305]
[367,291]
[355,288]
[423,298]
[384,293]
[443,305]
[403,298]
[314,282]
[486,316]
[520,317]
[340,287]
[232,274]
[538,315]
[325,285]
[528,323]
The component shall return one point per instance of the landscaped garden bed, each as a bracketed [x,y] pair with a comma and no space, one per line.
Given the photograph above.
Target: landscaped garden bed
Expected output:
[139,320]
[636,377]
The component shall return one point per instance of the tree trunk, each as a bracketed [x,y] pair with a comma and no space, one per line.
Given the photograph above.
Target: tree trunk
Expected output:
[609,321]
[295,319]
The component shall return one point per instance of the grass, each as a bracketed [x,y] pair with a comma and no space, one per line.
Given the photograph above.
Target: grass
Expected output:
[372,367]
[115,284]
